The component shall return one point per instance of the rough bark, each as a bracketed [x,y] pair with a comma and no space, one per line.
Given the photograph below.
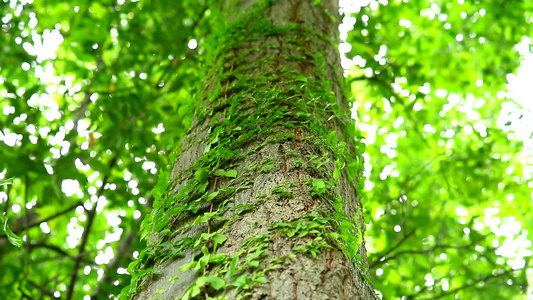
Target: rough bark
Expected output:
[275,161]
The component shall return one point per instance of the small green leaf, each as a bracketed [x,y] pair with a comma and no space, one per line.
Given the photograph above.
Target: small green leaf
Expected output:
[196,290]
[188,266]
[233,266]
[346,225]
[301,78]
[291,233]
[6,181]
[14,239]
[333,235]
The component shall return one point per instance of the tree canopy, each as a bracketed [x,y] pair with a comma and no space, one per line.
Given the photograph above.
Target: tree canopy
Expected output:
[96,95]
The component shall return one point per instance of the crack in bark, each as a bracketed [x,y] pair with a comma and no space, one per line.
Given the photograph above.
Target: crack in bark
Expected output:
[295,287]
[281,151]
[344,287]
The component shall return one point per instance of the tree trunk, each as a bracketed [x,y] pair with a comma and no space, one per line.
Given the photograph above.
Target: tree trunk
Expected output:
[263,202]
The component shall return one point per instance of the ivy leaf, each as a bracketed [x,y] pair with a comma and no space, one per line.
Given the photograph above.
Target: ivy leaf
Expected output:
[220,238]
[253,263]
[202,262]
[207,148]
[332,138]
[212,195]
[336,173]
[133,267]
[239,281]
[216,282]
[201,175]
[233,266]
[160,188]
[214,139]
[160,224]
[319,186]
[231,173]
[301,78]
[338,167]
[224,173]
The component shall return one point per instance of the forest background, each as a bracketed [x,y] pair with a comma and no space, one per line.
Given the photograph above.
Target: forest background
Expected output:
[95,95]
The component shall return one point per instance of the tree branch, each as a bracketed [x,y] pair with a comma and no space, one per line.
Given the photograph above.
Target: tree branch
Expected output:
[125,243]
[469,285]
[41,289]
[423,251]
[382,256]
[37,223]
[90,218]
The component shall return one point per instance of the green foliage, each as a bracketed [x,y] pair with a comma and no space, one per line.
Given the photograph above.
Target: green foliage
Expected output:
[103,113]
[445,178]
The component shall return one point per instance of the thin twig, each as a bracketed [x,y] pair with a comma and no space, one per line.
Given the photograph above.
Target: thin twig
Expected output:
[382,256]
[123,249]
[469,285]
[37,223]
[26,221]
[424,251]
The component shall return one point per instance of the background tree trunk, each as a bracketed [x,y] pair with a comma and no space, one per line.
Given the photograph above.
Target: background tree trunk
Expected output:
[259,203]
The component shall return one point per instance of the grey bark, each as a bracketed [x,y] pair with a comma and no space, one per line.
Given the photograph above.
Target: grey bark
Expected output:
[331,275]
